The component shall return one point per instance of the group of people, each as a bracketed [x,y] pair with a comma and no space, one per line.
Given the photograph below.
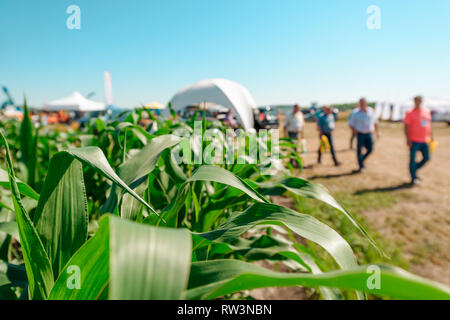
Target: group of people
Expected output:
[363,123]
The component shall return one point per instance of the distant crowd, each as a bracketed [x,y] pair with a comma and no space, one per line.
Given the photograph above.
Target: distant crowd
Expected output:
[363,124]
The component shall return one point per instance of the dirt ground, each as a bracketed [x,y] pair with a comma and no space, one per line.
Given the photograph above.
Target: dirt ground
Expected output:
[419,222]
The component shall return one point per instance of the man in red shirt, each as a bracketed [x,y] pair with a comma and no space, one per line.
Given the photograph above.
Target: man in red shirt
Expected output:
[418,134]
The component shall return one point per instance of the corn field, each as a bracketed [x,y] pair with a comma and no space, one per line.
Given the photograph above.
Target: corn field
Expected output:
[105,212]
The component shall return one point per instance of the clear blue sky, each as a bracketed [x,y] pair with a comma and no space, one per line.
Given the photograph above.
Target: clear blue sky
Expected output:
[283,51]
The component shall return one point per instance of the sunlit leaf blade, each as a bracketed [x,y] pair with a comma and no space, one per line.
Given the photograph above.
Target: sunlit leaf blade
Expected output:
[212,279]
[269,248]
[140,165]
[302,224]
[145,161]
[24,189]
[37,263]
[220,175]
[131,261]
[28,145]
[92,262]
[148,262]
[212,174]
[311,190]
[130,208]
[61,217]
[94,157]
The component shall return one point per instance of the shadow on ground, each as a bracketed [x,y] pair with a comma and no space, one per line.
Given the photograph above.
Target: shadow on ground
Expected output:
[385,189]
[329,176]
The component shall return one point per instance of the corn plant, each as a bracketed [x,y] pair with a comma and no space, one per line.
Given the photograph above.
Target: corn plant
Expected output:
[119,218]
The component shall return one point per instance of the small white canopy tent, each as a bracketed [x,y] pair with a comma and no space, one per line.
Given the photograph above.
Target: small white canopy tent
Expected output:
[75,102]
[223,92]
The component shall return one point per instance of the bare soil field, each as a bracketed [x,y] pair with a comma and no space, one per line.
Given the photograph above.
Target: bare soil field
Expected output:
[419,221]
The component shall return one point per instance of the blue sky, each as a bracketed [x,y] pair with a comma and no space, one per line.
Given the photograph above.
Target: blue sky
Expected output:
[283,51]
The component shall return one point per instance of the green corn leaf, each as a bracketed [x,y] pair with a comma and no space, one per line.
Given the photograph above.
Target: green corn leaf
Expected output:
[148,262]
[212,174]
[270,248]
[94,157]
[220,175]
[130,208]
[133,261]
[145,161]
[61,217]
[302,224]
[310,190]
[133,170]
[212,279]
[86,275]
[28,145]
[37,263]
[24,189]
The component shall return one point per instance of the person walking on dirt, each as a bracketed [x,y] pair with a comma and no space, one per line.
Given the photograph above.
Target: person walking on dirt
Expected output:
[353,136]
[364,122]
[325,125]
[418,134]
[295,124]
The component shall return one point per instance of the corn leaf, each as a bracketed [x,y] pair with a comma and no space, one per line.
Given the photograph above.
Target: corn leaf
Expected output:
[94,157]
[310,190]
[220,175]
[133,261]
[133,170]
[212,279]
[24,189]
[61,217]
[302,224]
[37,263]
[145,160]
[148,262]
[28,145]
[92,263]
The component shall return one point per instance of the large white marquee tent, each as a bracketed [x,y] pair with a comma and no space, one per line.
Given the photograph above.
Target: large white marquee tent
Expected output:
[396,111]
[223,92]
[75,102]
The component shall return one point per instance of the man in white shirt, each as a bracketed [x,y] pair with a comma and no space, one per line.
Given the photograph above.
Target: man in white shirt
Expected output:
[295,124]
[364,122]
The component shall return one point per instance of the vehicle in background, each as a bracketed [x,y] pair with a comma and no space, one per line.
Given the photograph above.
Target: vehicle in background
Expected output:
[213,112]
[265,118]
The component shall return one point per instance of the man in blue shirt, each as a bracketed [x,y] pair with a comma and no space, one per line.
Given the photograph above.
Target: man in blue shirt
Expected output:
[363,123]
[325,125]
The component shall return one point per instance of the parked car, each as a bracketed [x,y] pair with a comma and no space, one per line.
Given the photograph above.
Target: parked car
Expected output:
[265,118]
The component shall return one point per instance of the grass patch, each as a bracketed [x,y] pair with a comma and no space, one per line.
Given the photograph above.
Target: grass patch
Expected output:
[356,204]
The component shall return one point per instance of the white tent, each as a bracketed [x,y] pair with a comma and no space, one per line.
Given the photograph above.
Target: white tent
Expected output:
[435,105]
[386,113]
[75,102]
[224,92]
[378,109]
[397,114]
